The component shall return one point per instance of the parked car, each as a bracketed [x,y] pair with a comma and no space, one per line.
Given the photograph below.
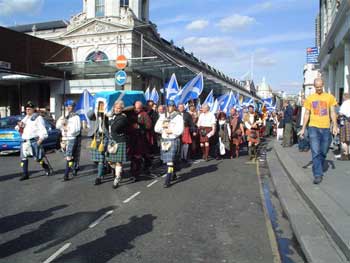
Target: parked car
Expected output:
[10,139]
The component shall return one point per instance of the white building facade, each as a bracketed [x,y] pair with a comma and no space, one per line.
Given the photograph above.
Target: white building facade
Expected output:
[264,90]
[334,55]
[311,72]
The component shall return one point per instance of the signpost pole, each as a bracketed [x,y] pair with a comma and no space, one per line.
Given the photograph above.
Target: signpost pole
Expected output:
[64,92]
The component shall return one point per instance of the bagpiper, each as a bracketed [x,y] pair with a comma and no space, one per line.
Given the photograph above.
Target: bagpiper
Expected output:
[33,132]
[70,127]
[116,149]
[171,128]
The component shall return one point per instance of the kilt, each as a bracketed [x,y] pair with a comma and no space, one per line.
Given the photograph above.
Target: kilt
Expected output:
[119,156]
[253,139]
[203,139]
[236,137]
[97,156]
[170,155]
[345,132]
[73,148]
[186,136]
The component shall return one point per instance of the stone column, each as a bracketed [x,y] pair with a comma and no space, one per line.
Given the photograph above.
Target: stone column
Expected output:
[346,66]
[331,82]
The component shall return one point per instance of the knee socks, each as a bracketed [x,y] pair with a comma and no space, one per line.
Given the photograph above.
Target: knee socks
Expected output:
[24,165]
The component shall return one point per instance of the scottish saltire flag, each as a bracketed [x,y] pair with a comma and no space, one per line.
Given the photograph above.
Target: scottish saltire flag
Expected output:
[191,91]
[248,101]
[210,99]
[147,94]
[83,106]
[154,96]
[171,88]
[215,107]
[268,102]
[227,104]
[223,101]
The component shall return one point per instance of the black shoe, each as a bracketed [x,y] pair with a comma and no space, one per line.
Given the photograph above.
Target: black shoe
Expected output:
[75,172]
[65,178]
[98,181]
[318,180]
[24,177]
[174,177]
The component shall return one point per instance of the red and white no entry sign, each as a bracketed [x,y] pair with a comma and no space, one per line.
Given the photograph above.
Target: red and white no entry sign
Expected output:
[121,62]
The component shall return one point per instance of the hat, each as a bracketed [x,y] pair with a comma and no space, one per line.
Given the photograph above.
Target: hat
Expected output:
[171,103]
[30,104]
[69,103]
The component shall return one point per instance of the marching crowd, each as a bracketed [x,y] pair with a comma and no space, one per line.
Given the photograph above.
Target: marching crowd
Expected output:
[179,135]
[137,135]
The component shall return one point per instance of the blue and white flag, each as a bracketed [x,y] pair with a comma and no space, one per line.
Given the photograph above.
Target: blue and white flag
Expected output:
[154,96]
[210,99]
[248,101]
[83,106]
[215,107]
[223,101]
[268,102]
[228,103]
[147,94]
[191,91]
[171,88]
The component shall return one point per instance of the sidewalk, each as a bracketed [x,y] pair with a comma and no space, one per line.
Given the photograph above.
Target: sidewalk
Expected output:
[329,201]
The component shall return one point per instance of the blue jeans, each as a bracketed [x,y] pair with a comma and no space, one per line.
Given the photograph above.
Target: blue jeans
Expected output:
[319,141]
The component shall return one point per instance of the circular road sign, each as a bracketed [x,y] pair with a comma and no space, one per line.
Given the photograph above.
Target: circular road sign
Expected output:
[121,62]
[121,77]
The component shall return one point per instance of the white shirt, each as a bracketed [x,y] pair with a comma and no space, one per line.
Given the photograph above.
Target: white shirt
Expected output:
[345,108]
[73,127]
[33,129]
[206,120]
[247,124]
[176,125]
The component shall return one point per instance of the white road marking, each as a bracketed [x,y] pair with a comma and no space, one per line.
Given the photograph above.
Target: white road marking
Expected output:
[99,220]
[154,182]
[164,175]
[197,161]
[131,197]
[57,253]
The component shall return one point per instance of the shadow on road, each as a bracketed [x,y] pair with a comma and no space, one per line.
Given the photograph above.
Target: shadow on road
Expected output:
[195,172]
[116,240]
[56,231]
[12,222]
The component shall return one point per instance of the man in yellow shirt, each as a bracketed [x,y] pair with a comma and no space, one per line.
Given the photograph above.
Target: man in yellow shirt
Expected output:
[319,109]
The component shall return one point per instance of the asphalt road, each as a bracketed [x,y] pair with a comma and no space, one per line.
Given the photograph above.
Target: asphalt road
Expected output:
[213,213]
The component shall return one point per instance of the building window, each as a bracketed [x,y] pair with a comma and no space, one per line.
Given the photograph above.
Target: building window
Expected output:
[97,56]
[100,8]
[124,3]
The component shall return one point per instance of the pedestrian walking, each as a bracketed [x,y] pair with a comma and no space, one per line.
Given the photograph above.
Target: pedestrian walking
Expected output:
[223,135]
[320,107]
[116,149]
[206,127]
[171,129]
[236,133]
[195,137]
[303,142]
[33,133]
[287,125]
[252,123]
[344,113]
[189,131]
[139,127]
[70,127]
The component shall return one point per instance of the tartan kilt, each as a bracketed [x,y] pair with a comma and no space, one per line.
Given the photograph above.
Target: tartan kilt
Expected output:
[97,156]
[204,139]
[255,139]
[345,132]
[119,156]
[170,155]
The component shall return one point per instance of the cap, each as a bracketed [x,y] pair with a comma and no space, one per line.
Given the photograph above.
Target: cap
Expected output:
[30,104]
[171,103]
[69,103]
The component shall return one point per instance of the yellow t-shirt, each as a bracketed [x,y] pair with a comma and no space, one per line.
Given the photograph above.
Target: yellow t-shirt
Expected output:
[319,107]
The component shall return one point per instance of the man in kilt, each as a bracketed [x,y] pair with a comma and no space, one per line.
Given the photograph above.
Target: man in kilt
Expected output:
[171,128]
[237,132]
[99,143]
[33,132]
[116,149]
[70,127]
[252,123]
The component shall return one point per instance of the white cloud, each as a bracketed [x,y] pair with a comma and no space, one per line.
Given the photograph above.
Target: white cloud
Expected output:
[291,84]
[197,25]
[174,20]
[8,8]
[235,22]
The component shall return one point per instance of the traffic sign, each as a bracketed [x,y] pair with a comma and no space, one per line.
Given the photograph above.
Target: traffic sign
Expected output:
[121,77]
[121,62]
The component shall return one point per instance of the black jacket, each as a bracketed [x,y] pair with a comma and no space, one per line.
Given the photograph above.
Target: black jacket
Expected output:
[188,121]
[119,125]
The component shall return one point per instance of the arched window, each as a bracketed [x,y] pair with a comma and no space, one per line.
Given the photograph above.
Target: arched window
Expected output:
[124,3]
[96,56]
[100,8]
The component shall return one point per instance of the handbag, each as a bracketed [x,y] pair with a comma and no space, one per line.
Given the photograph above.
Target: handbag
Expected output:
[165,146]
[27,149]
[203,132]
[112,148]
[222,147]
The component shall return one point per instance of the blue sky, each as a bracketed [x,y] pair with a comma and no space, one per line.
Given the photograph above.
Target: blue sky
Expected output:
[225,34]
